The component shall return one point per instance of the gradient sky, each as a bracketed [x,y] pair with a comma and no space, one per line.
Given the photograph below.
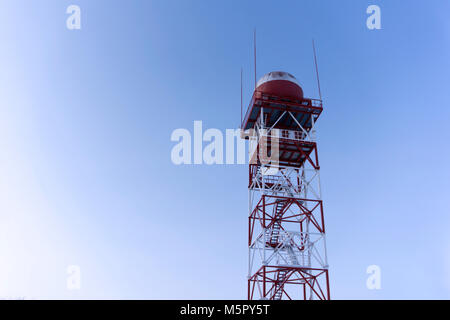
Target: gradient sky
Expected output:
[85,122]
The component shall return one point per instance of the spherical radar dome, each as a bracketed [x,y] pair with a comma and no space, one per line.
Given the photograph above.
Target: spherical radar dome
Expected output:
[280,84]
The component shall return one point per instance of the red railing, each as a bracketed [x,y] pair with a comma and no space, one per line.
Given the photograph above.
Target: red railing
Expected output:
[263,97]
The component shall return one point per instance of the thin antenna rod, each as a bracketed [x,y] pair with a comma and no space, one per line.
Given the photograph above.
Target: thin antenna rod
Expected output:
[317,70]
[254,51]
[241,98]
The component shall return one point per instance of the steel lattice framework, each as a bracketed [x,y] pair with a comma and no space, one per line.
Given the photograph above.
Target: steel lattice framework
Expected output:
[287,247]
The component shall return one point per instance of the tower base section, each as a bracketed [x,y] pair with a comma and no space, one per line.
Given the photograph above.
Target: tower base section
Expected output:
[287,282]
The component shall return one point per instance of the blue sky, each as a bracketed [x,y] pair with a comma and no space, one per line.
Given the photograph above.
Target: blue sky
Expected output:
[86,117]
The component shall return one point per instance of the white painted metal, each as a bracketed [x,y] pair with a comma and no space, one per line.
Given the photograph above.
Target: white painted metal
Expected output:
[277,75]
[282,182]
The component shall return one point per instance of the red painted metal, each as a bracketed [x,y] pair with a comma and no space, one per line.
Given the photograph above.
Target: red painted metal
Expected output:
[282,88]
[278,97]
[305,108]
[311,278]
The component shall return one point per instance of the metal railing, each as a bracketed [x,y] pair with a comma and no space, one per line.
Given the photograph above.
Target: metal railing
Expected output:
[257,95]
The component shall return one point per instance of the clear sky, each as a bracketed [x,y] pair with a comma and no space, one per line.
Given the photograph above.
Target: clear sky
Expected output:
[86,117]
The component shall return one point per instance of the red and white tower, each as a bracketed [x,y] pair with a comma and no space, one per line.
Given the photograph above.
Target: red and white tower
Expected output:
[287,248]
